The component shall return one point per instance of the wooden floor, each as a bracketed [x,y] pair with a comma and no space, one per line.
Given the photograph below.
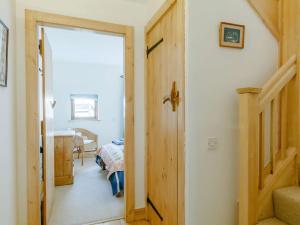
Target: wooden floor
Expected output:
[122,222]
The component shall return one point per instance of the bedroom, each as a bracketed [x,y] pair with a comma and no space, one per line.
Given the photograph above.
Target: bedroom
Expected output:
[88,122]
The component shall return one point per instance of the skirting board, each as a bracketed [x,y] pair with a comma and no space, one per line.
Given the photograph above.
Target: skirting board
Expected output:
[139,214]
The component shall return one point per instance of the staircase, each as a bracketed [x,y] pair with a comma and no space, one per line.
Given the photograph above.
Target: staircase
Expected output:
[269,130]
[286,203]
[286,207]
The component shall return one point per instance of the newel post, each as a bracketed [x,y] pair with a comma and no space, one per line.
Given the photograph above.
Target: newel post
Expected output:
[248,155]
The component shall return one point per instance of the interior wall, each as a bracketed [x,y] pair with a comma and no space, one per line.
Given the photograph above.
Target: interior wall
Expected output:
[129,12]
[7,125]
[214,74]
[82,78]
[153,6]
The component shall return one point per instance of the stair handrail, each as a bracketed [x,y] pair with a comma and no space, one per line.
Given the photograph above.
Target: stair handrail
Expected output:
[278,81]
[257,179]
[278,75]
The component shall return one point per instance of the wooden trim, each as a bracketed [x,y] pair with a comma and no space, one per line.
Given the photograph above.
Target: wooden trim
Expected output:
[181,118]
[285,176]
[283,92]
[277,87]
[129,126]
[272,179]
[262,11]
[146,116]
[278,75]
[55,20]
[140,214]
[283,125]
[273,136]
[33,19]
[262,150]
[248,158]
[248,90]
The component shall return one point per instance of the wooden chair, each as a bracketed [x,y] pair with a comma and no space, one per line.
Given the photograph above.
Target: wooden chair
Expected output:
[91,139]
[84,141]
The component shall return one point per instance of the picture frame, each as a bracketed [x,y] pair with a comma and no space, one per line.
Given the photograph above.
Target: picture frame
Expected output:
[4,35]
[232,35]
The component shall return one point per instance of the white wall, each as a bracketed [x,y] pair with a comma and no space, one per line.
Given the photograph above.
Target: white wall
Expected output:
[153,6]
[213,75]
[7,125]
[82,78]
[212,104]
[129,12]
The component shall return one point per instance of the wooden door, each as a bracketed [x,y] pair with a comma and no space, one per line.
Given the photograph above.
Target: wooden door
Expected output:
[48,138]
[165,76]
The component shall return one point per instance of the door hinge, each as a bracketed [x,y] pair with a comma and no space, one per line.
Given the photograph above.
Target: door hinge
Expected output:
[149,50]
[154,208]
[40,47]
[42,127]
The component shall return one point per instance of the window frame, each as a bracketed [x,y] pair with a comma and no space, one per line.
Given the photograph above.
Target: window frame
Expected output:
[94,97]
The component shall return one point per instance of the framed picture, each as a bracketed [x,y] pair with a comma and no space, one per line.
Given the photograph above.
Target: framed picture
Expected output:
[232,35]
[3,53]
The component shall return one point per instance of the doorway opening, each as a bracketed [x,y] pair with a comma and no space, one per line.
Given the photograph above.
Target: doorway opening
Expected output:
[82,103]
[83,81]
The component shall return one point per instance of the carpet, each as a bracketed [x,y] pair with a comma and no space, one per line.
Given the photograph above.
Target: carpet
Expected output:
[89,199]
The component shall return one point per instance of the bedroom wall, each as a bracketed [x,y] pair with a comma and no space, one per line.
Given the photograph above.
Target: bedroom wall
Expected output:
[83,78]
[8,212]
[214,73]
[129,12]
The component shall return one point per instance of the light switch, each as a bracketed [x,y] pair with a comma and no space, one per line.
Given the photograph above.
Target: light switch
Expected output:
[212,143]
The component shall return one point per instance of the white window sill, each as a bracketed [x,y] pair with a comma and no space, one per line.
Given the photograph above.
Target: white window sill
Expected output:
[84,120]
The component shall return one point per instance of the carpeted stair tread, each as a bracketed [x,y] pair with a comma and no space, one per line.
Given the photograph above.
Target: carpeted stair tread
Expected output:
[272,221]
[287,205]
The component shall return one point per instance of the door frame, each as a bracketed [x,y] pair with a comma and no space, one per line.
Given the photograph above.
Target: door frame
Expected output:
[181,110]
[34,19]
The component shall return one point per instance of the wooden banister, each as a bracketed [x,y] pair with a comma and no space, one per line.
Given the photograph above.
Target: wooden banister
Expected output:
[278,86]
[248,90]
[277,76]
[267,159]
[248,181]
[262,130]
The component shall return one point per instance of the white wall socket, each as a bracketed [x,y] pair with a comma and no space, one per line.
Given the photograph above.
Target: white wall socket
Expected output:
[212,143]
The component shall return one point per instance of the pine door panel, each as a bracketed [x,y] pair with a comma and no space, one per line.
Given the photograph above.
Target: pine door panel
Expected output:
[162,121]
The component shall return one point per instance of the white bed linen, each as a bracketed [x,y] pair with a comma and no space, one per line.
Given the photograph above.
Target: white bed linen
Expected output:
[113,157]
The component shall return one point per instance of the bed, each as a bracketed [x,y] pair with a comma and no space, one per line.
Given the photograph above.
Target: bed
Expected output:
[111,158]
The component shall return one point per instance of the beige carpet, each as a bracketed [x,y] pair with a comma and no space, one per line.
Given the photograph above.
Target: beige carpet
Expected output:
[89,199]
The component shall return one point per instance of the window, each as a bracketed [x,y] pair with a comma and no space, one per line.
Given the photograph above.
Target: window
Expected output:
[84,107]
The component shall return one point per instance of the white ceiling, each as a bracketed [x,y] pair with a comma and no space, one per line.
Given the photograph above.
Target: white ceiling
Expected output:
[85,46]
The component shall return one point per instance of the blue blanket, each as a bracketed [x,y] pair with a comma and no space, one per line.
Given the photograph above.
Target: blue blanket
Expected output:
[118,141]
[116,179]
[117,182]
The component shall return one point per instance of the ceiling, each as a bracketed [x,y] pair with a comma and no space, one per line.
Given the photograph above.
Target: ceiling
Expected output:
[83,46]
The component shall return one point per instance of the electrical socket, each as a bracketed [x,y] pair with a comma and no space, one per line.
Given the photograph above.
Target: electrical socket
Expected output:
[212,143]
